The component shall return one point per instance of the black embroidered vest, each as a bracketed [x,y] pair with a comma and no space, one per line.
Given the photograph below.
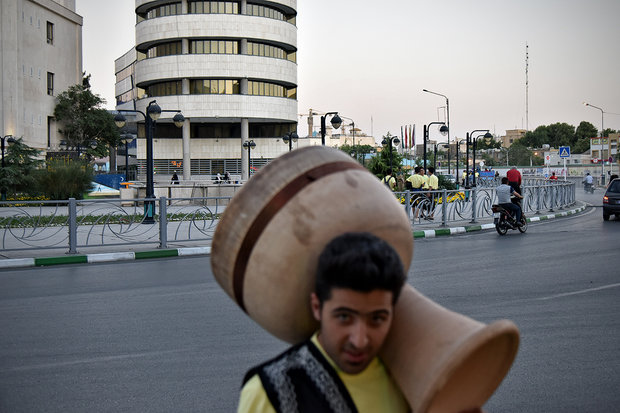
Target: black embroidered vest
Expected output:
[301,380]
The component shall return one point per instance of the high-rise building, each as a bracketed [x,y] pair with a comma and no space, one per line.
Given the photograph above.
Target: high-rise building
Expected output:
[40,57]
[229,67]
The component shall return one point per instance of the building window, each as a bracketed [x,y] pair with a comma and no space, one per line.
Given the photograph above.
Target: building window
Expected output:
[214,47]
[214,87]
[271,89]
[165,89]
[50,84]
[269,12]
[165,10]
[50,33]
[267,50]
[214,7]
[166,49]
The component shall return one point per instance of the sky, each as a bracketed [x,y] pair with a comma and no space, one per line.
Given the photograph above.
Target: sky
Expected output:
[370,60]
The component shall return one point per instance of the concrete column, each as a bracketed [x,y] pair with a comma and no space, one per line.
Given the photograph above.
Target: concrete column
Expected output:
[184,6]
[244,6]
[245,135]
[243,46]
[243,86]
[187,175]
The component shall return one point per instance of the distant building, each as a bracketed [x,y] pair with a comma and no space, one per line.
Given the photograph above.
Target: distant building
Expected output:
[605,149]
[41,56]
[230,67]
[511,136]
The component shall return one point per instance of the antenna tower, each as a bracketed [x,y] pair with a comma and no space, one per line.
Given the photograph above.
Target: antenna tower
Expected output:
[527,84]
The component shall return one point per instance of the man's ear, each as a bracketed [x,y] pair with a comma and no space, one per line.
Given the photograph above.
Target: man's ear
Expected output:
[316,306]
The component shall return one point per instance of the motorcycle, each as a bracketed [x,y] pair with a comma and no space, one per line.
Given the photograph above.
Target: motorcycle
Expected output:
[588,187]
[503,220]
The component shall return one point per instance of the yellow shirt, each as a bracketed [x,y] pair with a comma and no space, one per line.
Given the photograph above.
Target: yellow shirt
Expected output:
[417,181]
[390,180]
[372,390]
[433,182]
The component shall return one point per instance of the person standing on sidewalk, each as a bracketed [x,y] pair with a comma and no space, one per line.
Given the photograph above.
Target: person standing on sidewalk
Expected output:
[433,185]
[389,180]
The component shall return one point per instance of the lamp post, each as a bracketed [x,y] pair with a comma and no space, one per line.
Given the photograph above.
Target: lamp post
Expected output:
[443,129]
[9,139]
[388,141]
[447,146]
[336,122]
[602,134]
[249,145]
[126,139]
[153,112]
[487,139]
[458,149]
[447,117]
[288,139]
[469,136]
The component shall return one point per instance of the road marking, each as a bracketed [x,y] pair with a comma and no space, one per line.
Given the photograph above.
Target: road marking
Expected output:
[587,290]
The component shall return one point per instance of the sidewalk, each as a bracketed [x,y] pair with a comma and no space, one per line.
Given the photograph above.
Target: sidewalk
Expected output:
[425,229]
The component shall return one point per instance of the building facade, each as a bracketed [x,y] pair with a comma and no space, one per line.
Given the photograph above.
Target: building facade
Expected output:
[228,66]
[40,57]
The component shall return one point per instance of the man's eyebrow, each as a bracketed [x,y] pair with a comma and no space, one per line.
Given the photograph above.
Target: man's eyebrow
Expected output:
[381,311]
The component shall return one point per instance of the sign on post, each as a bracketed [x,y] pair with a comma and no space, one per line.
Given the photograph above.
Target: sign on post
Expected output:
[564,151]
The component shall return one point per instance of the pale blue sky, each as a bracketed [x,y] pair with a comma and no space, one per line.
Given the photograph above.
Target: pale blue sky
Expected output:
[371,59]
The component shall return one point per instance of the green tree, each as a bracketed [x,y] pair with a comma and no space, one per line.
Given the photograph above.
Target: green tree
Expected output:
[21,162]
[519,154]
[63,180]
[583,133]
[381,163]
[359,152]
[83,120]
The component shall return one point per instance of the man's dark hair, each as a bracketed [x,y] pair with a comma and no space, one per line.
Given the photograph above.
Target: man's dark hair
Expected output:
[505,180]
[389,171]
[417,169]
[359,261]
[431,169]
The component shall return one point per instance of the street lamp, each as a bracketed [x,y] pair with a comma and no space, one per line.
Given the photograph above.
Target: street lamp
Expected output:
[249,145]
[443,129]
[602,134]
[388,141]
[336,122]
[9,139]
[448,116]
[458,149]
[469,136]
[153,112]
[445,146]
[487,139]
[126,139]
[289,138]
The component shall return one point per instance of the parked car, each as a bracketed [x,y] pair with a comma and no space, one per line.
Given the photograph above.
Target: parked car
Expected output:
[611,200]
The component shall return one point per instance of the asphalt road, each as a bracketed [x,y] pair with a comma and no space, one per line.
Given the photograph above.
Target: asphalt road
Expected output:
[161,336]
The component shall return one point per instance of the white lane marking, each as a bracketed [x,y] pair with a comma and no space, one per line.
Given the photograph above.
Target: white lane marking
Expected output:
[587,290]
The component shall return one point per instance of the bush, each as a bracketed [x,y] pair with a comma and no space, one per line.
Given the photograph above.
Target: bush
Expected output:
[65,180]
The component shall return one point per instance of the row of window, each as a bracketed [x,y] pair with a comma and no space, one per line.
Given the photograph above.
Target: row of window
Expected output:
[219,130]
[221,87]
[216,7]
[209,167]
[218,47]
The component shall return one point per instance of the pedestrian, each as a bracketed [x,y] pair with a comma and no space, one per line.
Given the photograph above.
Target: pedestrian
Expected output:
[433,185]
[553,177]
[514,179]
[227,177]
[416,181]
[358,281]
[175,178]
[389,180]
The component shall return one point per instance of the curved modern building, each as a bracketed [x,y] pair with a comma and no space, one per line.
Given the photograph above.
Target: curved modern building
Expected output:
[229,67]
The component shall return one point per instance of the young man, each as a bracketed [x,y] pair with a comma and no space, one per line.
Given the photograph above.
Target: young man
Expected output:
[514,179]
[358,281]
[389,180]
[504,191]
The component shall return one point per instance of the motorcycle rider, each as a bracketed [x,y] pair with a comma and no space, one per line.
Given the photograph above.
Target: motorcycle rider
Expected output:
[504,191]
[588,180]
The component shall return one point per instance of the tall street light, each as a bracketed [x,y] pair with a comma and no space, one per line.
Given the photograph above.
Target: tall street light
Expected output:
[153,112]
[389,141]
[602,134]
[288,139]
[458,149]
[487,139]
[126,139]
[447,117]
[336,122]
[249,145]
[9,139]
[443,129]
[469,136]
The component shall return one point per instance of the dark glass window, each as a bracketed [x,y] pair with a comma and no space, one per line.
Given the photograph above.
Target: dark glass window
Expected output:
[171,9]
[214,7]
[50,84]
[50,33]
[214,87]
[165,89]
[165,49]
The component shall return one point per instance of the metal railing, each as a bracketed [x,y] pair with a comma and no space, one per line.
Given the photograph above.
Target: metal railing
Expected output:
[470,205]
[76,225]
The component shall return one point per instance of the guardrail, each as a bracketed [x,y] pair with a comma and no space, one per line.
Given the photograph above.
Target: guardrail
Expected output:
[470,205]
[74,225]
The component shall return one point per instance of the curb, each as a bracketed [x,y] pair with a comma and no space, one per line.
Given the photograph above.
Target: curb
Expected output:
[432,233]
[99,258]
[189,251]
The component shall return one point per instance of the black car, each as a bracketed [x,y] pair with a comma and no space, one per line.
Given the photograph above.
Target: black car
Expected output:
[611,200]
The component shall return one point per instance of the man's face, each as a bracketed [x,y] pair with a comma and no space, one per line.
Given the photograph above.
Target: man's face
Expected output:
[353,326]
